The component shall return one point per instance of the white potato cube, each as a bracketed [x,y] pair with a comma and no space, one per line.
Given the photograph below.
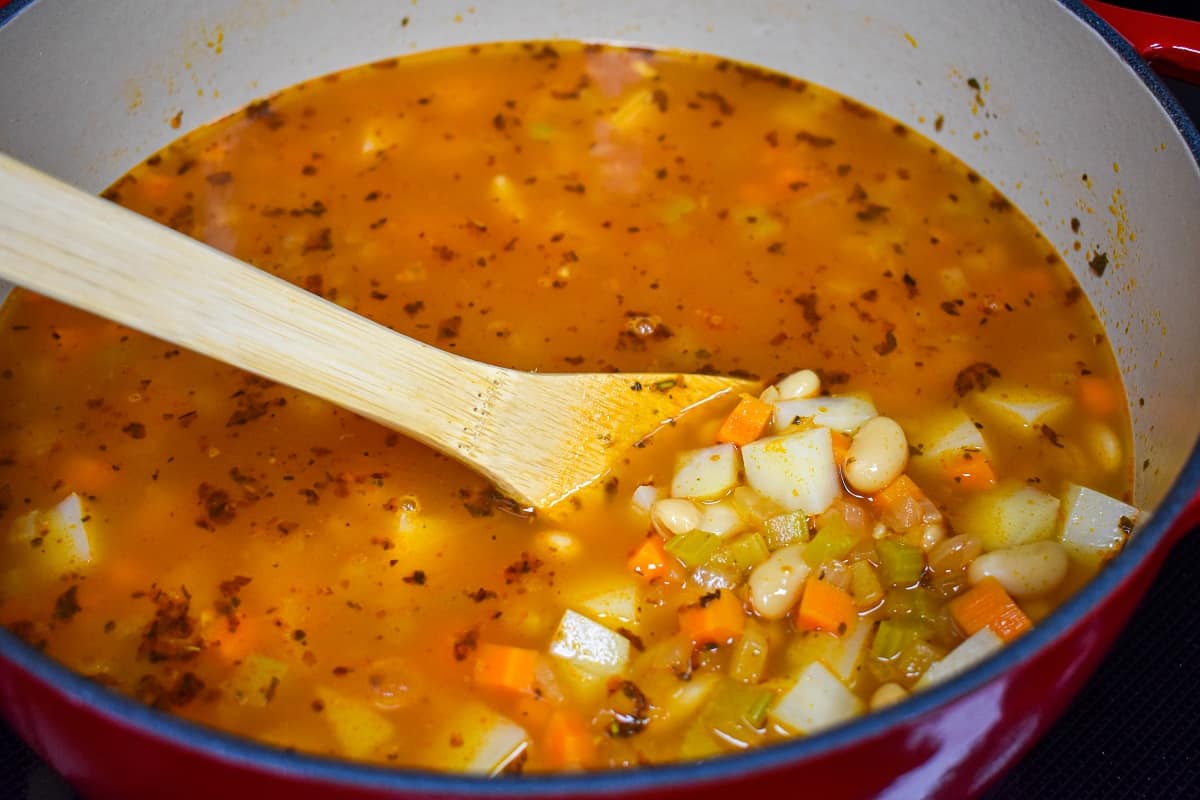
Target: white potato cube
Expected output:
[1009,515]
[948,434]
[975,649]
[1019,408]
[359,729]
[589,645]
[618,604]
[843,413]
[707,473]
[60,536]
[1094,524]
[818,700]
[796,471]
[477,740]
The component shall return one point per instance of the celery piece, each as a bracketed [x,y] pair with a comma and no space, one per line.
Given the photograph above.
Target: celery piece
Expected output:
[786,529]
[865,585]
[901,564]
[749,660]
[834,540]
[916,657]
[542,131]
[748,551]
[693,548]
[756,711]
[890,638]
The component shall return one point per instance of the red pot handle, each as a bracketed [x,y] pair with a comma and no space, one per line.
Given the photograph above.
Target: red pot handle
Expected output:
[1170,45]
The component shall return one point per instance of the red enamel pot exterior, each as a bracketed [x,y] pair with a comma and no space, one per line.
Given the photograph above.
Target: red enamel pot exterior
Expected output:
[950,742]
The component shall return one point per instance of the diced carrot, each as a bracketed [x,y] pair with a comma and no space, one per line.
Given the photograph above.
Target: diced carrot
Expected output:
[969,470]
[568,742]
[825,607]
[988,605]
[500,666]
[746,422]
[901,504]
[714,620]
[1098,395]
[650,560]
[841,446]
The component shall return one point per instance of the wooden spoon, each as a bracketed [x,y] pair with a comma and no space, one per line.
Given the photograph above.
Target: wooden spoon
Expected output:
[538,438]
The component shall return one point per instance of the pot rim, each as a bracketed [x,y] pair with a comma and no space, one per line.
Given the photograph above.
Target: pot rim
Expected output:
[243,752]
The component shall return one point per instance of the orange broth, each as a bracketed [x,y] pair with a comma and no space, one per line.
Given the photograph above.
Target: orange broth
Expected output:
[265,563]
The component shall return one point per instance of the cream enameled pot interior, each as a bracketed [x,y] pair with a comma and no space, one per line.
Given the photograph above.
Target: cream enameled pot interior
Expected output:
[1058,122]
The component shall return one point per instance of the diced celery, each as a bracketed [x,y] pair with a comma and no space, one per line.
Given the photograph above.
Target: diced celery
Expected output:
[748,551]
[899,563]
[693,548]
[786,529]
[865,585]
[677,209]
[542,131]
[749,660]
[916,658]
[891,637]
[834,540]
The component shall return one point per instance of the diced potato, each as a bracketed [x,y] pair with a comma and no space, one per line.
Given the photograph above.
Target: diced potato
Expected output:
[618,604]
[358,728]
[254,681]
[1009,515]
[796,471]
[1019,409]
[707,473]
[721,518]
[584,687]
[979,646]
[1094,524]
[476,740]
[589,645]
[947,434]
[818,700]
[843,413]
[753,506]
[58,536]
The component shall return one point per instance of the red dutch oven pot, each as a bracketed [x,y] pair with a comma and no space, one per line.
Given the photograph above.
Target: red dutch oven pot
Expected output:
[1081,99]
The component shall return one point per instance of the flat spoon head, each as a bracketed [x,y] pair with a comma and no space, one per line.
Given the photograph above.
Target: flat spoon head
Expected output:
[541,438]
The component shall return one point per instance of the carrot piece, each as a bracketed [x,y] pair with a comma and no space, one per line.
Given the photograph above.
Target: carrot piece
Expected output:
[567,741]
[969,470]
[825,607]
[717,619]
[987,605]
[841,446]
[650,560]
[87,474]
[499,666]
[901,504]
[746,422]
[1098,395]
[533,711]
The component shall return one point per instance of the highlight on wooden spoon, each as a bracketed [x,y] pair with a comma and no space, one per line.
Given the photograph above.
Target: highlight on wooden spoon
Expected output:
[537,437]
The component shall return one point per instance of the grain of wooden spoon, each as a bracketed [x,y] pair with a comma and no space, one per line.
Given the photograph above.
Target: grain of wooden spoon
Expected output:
[537,437]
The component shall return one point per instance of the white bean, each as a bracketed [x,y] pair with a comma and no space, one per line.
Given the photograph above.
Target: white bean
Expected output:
[675,516]
[886,695]
[804,383]
[644,497]
[1024,570]
[877,455]
[932,534]
[770,395]
[775,585]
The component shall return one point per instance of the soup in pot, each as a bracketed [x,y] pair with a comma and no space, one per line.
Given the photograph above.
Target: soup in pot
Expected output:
[940,453]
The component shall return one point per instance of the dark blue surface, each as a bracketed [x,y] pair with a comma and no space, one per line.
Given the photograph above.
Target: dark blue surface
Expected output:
[1132,733]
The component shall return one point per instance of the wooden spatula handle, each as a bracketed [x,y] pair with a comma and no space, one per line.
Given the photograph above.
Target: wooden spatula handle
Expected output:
[77,248]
